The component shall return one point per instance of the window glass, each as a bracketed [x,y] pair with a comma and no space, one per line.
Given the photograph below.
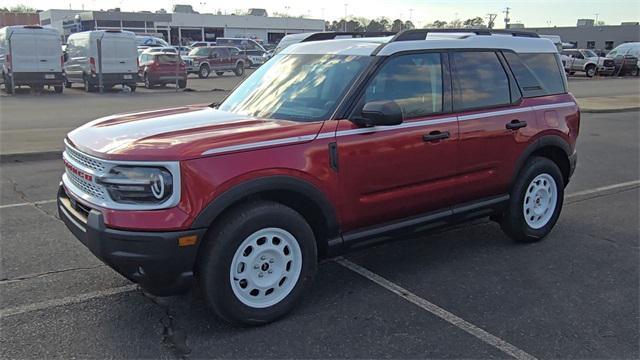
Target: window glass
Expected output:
[481,80]
[167,58]
[589,53]
[296,87]
[547,71]
[412,81]
[527,81]
[201,51]
[223,52]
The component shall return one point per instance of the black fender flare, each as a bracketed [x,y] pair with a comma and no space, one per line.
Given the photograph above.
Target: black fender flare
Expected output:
[269,183]
[546,140]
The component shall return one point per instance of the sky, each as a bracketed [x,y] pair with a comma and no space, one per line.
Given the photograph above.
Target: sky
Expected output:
[536,13]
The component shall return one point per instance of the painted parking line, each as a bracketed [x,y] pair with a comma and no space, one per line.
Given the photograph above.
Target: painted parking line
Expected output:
[434,309]
[593,191]
[34,203]
[65,301]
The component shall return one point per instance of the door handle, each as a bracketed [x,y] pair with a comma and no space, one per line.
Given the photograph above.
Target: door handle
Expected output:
[516,124]
[436,135]
[43,60]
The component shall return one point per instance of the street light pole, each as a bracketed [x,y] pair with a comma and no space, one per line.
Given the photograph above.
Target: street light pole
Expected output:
[345,18]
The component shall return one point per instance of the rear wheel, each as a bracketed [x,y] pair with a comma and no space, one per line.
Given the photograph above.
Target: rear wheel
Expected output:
[536,201]
[58,89]
[239,71]
[635,71]
[147,82]
[204,72]
[133,88]
[7,85]
[257,263]
[88,87]
[182,84]
[68,84]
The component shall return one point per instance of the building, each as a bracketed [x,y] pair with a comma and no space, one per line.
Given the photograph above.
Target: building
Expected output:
[181,27]
[587,35]
[8,18]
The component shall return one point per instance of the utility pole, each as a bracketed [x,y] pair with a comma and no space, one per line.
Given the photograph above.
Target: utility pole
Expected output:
[491,20]
[597,14]
[345,18]
[506,17]
[410,15]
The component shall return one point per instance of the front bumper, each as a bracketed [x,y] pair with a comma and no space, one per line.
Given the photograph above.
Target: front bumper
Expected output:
[112,79]
[606,70]
[37,78]
[151,259]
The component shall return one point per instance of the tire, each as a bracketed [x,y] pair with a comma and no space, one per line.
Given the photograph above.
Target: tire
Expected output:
[529,195]
[67,84]
[7,85]
[58,89]
[88,87]
[182,84]
[572,73]
[219,73]
[204,72]
[635,71]
[236,237]
[249,65]
[590,71]
[147,82]
[133,88]
[239,70]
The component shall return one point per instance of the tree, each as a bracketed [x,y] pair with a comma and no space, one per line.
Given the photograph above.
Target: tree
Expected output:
[409,25]
[397,25]
[438,24]
[375,26]
[18,9]
[455,24]
[475,22]
[385,23]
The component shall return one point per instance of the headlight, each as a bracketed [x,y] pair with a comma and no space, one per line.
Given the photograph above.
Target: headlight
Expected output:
[138,185]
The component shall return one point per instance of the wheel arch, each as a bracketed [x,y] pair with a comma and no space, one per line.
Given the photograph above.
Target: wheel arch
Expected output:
[552,147]
[300,195]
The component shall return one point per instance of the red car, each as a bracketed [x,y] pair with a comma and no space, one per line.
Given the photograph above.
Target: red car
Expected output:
[219,59]
[328,147]
[161,68]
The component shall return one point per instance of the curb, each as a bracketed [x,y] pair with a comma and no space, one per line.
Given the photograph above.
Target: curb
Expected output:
[30,156]
[605,111]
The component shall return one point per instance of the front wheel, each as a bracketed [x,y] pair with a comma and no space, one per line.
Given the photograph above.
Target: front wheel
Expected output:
[147,82]
[535,202]
[591,71]
[257,263]
[239,70]
[204,72]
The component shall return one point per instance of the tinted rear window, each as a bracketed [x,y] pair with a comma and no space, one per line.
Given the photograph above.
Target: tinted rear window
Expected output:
[547,71]
[167,59]
[480,80]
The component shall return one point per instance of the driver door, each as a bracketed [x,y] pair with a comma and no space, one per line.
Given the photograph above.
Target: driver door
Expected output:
[393,172]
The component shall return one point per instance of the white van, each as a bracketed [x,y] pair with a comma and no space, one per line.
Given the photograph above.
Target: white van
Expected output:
[31,55]
[118,61]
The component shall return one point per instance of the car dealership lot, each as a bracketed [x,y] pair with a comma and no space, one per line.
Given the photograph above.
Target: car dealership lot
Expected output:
[573,295]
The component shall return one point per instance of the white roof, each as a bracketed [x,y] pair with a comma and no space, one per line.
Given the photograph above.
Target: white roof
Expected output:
[366,46]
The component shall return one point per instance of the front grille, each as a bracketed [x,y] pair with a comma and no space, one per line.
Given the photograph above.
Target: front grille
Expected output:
[608,63]
[86,186]
[84,160]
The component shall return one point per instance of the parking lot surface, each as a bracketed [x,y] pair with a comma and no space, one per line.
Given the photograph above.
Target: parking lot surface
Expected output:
[466,292]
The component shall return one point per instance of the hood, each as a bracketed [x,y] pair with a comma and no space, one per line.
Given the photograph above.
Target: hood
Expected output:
[180,133]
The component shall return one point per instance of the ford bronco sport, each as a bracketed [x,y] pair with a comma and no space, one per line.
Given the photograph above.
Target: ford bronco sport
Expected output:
[328,147]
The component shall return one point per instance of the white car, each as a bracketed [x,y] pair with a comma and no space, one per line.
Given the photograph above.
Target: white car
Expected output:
[587,61]
[116,61]
[31,55]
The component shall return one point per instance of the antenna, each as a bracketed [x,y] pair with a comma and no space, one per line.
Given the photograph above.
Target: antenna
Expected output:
[506,17]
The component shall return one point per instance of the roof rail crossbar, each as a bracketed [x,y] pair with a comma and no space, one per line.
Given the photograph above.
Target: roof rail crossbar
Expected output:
[329,35]
[421,34]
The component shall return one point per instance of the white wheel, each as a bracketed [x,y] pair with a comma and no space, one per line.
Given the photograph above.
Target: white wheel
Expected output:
[265,267]
[540,201]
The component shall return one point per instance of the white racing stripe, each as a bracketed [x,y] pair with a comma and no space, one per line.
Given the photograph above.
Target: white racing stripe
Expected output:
[27,203]
[603,189]
[434,309]
[65,301]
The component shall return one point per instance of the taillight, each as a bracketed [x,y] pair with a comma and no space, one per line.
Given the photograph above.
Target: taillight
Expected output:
[92,64]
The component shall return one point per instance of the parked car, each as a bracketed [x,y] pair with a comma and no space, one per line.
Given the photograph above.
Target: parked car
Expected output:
[307,158]
[240,43]
[196,44]
[163,49]
[151,41]
[183,50]
[31,56]
[218,59]
[161,68]
[255,57]
[119,63]
[626,58]
[587,61]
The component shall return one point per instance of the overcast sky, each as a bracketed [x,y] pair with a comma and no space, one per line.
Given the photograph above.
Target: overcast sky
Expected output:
[531,13]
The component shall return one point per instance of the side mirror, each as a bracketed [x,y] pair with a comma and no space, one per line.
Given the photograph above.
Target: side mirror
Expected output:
[379,113]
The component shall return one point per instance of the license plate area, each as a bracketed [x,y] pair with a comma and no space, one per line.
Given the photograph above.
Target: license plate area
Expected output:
[49,76]
[128,77]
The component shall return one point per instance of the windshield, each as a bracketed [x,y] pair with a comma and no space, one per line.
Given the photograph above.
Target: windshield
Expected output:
[589,53]
[201,51]
[296,87]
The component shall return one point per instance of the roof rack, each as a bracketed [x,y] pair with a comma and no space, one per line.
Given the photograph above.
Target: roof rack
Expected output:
[330,35]
[421,34]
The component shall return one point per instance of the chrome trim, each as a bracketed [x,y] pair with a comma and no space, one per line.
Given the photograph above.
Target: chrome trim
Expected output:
[493,113]
[172,166]
[82,228]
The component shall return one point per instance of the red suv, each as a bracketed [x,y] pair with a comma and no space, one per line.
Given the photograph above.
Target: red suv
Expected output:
[161,68]
[218,59]
[328,147]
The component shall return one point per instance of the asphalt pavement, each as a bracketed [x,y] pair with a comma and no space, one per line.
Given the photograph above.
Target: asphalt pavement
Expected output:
[465,292]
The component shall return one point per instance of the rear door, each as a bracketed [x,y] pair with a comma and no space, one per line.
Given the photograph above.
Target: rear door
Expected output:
[393,172]
[495,127]
[23,47]
[119,54]
[49,52]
